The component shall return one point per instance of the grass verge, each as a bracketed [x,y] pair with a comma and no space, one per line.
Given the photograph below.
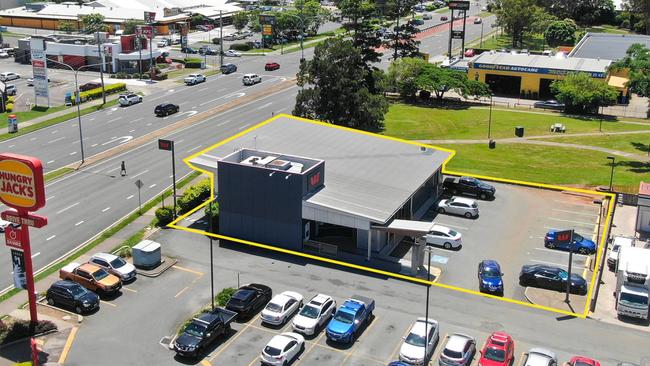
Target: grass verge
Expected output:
[531,43]
[37,111]
[106,234]
[57,173]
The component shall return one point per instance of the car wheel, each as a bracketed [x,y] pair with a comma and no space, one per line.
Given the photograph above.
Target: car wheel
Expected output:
[583,251]
[483,196]
[468,215]
[447,246]
[50,301]
[550,246]
[77,309]
[441,210]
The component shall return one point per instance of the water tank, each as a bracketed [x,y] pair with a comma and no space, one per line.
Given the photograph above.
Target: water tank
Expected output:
[146,254]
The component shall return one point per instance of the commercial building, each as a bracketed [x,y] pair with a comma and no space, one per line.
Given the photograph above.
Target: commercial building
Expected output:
[607,46]
[643,210]
[293,182]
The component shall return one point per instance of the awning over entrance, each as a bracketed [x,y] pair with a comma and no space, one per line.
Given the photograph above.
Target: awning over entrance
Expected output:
[407,227]
[618,82]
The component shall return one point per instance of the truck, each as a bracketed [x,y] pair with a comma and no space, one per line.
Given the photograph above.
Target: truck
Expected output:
[91,277]
[469,186]
[350,318]
[202,331]
[632,282]
[618,242]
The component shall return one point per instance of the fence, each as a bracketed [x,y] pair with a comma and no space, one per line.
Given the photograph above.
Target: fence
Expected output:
[321,248]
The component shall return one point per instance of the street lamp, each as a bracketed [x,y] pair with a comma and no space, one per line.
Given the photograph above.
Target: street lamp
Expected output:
[427,249]
[481,44]
[490,119]
[77,99]
[611,177]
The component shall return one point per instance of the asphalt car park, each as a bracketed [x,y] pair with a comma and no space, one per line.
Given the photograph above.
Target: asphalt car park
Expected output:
[510,229]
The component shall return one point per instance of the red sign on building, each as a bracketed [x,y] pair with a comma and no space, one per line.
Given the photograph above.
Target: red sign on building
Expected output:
[12,236]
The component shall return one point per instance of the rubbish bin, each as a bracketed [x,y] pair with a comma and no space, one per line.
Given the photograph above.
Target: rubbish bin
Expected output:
[12,123]
[492,144]
[519,131]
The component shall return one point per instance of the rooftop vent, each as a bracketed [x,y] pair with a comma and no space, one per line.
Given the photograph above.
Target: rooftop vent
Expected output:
[279,164]
[252,160]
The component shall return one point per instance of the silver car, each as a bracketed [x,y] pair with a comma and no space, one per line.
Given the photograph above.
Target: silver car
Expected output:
[459,206]
[540,357]
[459,350]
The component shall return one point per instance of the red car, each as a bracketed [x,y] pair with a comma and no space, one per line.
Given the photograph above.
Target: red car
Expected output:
[270,66]
[583,361]
[499,350]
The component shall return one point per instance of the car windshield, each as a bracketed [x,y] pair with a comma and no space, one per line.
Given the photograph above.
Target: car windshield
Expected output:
[494,354]
[582,363]
[615,248]
[452,232]
[344,317]
[309,312]
[271,351]
[633,301]
[491,272]
[100,274]
[577,237]
[564,275]
[118,262]
[195,330]
[415,340]
[452,354]
[274,307]
[78,291]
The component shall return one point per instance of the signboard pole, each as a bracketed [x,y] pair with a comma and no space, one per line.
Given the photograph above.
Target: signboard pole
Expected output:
[29,273]
[451,32]
[462,45]
[101,68]
[221,38]
[568,280]
[174,176]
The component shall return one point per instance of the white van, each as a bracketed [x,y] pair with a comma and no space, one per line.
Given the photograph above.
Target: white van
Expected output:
[618,242]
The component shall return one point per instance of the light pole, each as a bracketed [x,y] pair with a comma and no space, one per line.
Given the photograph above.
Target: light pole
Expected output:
[101,68]
[211,255]
[611,176]
[490,119]
[427,249]
[481,44]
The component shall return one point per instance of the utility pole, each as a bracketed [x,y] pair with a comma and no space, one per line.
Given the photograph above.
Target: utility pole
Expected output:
[451,31]
[462,46]
[396,32]
[211,255]
[101,67]
[220,39]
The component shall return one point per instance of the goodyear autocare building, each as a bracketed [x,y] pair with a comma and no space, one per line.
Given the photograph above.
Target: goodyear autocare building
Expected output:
[299,184]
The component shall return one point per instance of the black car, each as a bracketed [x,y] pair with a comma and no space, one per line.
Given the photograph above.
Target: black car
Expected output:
[469,186]
[202,331]
[228,68]
[249,299]
[90,86]
[551,278]
[72,295]
[188,50]
[550,104]
[165,109]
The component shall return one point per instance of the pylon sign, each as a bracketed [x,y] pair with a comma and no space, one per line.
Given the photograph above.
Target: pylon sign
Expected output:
[21,182]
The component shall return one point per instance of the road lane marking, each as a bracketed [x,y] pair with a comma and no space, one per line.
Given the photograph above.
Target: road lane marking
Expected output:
[33,139]
[50,162]
[181,292]
[72,153]
[264,106]
[49,198]
[223,123]
[194,148]
[106,209]
[205,362]
[67,208]
[129,197]
[153,185]
[131,131]
[55,140]
[79,223]
[244,126]
[113,120]
[188,270]
[55,131]
[137,119]
[68,344]
[112,170]
[50,238]
[36,255]
[93,145]
[149,124]
[11,146]
[139,174]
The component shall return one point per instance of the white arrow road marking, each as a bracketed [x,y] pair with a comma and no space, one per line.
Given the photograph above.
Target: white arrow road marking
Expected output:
[123,138]
[189,113]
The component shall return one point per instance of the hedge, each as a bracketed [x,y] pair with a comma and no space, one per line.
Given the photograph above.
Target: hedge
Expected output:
[19,329]
[9,107]
[194,196]
[96,93]
[240,47]
[165,215]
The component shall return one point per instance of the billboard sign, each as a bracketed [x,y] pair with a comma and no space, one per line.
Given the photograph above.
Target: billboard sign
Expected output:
[21,182]
[535,70]
[165,145]
[563,237]
[32,220]
[457,34]
[39,68]
[12,236]
[184,32]
[18,260]
[149,17]
[146,31]
[458,5]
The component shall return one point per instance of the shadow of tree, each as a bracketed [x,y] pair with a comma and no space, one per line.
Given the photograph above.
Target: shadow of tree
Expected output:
[635,166]
[641,146]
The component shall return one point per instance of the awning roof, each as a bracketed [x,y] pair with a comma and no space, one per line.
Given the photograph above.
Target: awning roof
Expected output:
[617,82]
[407,227]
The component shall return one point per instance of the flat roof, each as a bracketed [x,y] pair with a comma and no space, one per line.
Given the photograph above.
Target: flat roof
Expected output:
[366,175]
[606,45]
[539,64]
[644,189]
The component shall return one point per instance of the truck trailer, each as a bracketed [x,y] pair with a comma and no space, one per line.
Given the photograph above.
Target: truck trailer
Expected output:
[633,282]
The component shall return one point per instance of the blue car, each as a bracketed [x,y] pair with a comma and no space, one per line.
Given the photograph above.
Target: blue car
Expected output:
[580,245]
[398,363]
[490,278]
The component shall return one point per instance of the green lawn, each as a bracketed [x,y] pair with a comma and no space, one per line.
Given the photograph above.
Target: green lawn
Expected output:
[496,42]
[543,164]
[26,116]
[607,28]
[633,143]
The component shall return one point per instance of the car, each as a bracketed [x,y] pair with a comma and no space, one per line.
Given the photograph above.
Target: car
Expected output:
[282,349]
[540,357]
[281,308]
[188,50]
[114,265]
[163,43]
[444,18]
[444,237]
[413,348]
[314,315]
[203,330]
[478,20]
[469,186]
[549,104]
[90,86]
[165,109]
[490,278]
[551,278]
[129,99]
[232,53]
[251,79]
[427,16]
[583,361]
[618,242]
[458,351]
[202,28]
[71,295]
[229,37]
[415,21]
[469,52]
[270,66]
[580,244]
[499,350]
[11,89]
[4,224]
[92,277]
[459,206]
[4,54]
[193,79]
[30,81]
[228,68]
[398,363]
[8,76]
[346,324]
[248,299]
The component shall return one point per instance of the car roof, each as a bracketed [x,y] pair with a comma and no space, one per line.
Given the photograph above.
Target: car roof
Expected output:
[468,201]
[66,284]
[89,267]
[457,342]
[440,228]
[281,299]
[539,356]
[500,338]
[279,341]
[490,263]
[105,256]
[249,75]
[319,300]
[419,326]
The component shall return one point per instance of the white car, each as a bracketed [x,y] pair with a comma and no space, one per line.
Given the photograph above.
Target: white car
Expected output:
[7,76]
[412,350]
[618,242]
[129,99]
[282,349]
[251,79]
[193,79]
[459,206]
[459,350]
[314,315]
[163,43]
[232,53]
[114,265]
[444,237]
[4,224]
[281,308]
[3,54]
[540,357]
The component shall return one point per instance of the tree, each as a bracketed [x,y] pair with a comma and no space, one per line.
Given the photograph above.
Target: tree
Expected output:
[93,23]
[639,14]
[360,14]
[637,61]
[517,17]
[67,26]
[131,24]
[240,20]
[438,81]
[561,33]
[403,43]
[198,19]
[402,75]
[583,94]
[339,93]
[585,12]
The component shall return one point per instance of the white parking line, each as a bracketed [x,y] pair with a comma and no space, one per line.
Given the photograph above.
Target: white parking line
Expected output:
[67,208]
[562,252]
[106,209]
[50,238]
[574,222]
[194,148]
[79,223]
[455,226]
[556,229]
[577,213]
[551,263]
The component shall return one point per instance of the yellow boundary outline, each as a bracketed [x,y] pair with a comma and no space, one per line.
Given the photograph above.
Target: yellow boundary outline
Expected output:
[452,153]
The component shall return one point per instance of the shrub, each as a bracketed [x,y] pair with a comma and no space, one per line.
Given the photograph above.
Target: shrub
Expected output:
[125,252]
[135,76]
[9,107]
[121,75]
[240,47]
[112,76]
[11,99]
[96,93]
[165,215]
[224,295]
[213,216]
[216,40]
[19,329]
[425,94]
[193,64]
[194,196]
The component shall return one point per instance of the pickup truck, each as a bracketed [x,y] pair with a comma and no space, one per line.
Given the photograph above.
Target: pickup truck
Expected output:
[469,186]
[91,277]
[202,331]
[350,317]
